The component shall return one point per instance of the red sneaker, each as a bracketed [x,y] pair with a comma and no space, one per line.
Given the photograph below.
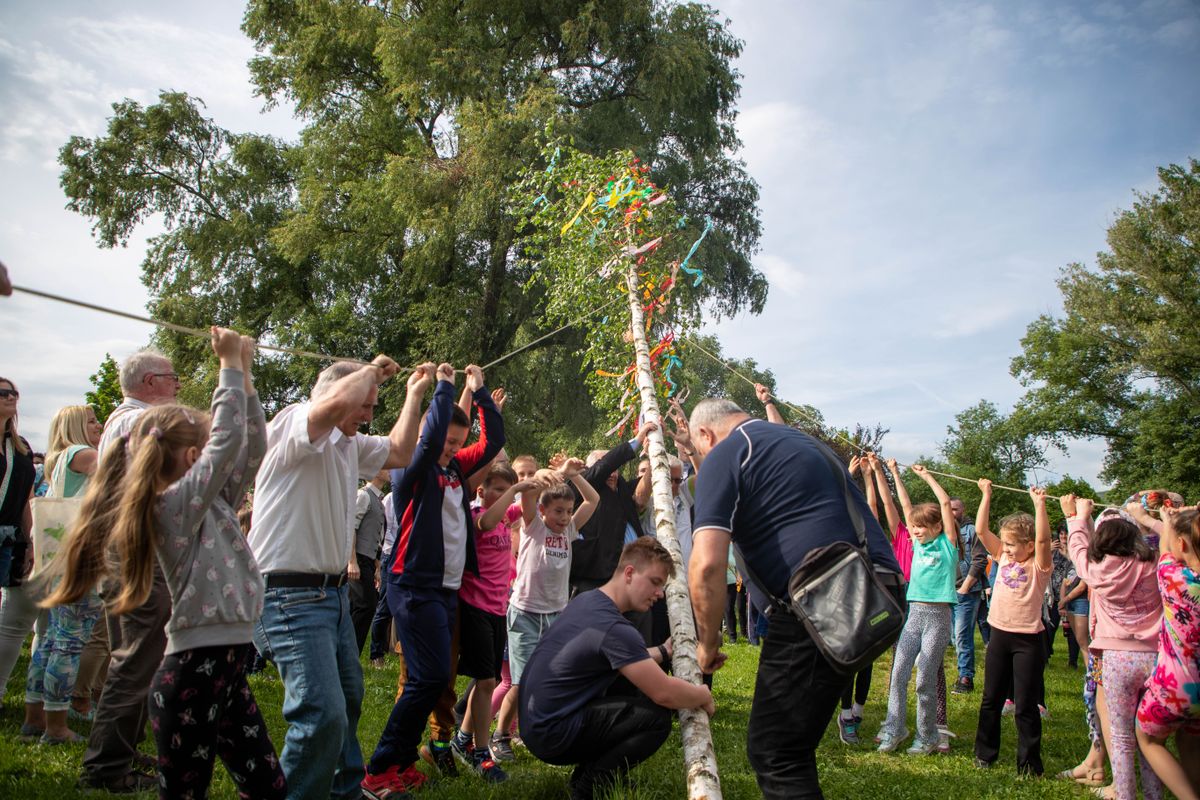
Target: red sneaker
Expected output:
[387,785]
[412,778]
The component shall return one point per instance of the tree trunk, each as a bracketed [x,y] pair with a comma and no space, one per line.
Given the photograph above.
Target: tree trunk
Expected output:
[699,757]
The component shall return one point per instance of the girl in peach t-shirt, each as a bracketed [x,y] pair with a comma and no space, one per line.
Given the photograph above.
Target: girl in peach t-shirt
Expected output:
[1015,651]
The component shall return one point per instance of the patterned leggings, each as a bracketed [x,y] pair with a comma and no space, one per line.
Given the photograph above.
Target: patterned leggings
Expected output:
[1125,672]
[201,707]
[923,643]
[52,670]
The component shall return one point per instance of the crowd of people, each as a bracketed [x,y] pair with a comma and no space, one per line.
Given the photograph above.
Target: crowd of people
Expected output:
[205,544]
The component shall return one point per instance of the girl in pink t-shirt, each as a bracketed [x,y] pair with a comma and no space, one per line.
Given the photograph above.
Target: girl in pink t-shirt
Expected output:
[1015,651]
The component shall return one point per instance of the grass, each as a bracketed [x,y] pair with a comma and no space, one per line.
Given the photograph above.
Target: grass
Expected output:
[37,771]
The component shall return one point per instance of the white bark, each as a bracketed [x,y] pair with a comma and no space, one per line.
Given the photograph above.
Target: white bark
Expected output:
[699,757]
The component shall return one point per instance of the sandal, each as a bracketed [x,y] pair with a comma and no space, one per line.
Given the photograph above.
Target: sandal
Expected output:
[1094,777]
[71,738]
[30,733]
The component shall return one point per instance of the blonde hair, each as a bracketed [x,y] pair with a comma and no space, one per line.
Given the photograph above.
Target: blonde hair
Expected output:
[10,427]
[67,427]
[119,508]
[1021,526]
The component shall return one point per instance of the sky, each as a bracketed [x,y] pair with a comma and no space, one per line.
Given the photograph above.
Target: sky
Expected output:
[926,169]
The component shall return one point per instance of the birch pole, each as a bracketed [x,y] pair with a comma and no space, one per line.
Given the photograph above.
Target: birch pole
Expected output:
[699,757]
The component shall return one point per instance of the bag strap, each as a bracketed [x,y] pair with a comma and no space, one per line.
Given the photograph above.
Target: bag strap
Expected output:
[855,519]
[9,468]
[851,507]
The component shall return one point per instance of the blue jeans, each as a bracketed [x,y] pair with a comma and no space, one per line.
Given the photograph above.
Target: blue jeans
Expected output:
[309,636]
[424,625]
[966,611]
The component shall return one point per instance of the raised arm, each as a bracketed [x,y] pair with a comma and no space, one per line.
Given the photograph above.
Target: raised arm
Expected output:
[644,489]
[902,490]
[764,397]
[243,474]
[491,427]
[403,436]
[949,523]
[682,434]
[885,493]
[990,540]
[347,394]
[869,488]
[1041,527]
[496,511]
[572,471]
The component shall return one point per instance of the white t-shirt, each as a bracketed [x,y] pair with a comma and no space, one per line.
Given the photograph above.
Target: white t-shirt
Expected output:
[304,499]
[543,568]
[454,535]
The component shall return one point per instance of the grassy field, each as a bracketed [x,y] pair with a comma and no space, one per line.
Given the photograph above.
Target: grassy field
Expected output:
[855,773]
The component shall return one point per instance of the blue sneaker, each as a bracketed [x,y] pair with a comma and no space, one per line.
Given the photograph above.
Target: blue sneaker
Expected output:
[847,730]
[486,767]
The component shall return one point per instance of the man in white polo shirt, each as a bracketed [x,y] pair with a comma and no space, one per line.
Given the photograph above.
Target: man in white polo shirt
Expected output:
[302,538]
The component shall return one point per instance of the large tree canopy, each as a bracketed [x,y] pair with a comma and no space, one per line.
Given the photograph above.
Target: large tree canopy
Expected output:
[1123,362]
[385,226]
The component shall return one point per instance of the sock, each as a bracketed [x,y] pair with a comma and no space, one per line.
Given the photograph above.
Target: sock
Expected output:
[858,709]
[463,738]
[847,714]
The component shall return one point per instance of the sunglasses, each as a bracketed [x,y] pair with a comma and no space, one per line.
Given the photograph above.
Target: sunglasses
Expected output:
[7,393]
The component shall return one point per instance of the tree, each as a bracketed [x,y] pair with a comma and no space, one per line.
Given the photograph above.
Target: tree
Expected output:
[384,228]
[106,394]
[1123,362]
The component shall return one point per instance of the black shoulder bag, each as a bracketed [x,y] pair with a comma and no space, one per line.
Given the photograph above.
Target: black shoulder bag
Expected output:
[849,613]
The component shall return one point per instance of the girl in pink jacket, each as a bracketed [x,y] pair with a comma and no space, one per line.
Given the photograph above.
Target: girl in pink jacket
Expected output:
[1119,566]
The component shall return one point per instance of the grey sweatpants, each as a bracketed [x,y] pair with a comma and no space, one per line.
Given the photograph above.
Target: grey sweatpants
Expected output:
[923,643]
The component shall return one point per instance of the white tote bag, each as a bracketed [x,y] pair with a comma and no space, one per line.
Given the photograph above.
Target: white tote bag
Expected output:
[53,516]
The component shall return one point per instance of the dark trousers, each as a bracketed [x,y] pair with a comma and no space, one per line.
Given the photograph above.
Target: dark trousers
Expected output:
[618,733]
[202,708]
[731,616]
[858,688]
[138,640]
[381,628]
[795,696]
[424,625]
[1018,658]
[1052,624]
[364,599]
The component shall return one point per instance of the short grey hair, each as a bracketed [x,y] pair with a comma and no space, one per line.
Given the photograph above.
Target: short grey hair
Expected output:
[331,375]
[673,462]
[709,412]
[135,368]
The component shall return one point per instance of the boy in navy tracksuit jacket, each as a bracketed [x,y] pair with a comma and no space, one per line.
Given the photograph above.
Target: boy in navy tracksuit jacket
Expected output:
[423,571]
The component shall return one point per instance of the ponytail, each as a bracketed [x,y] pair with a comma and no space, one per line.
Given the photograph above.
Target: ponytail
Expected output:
[133,534]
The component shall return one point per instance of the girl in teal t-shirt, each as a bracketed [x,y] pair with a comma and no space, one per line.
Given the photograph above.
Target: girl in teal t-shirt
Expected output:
[926,631]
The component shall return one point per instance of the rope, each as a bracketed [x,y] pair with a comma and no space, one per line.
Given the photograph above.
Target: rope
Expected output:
[861,450]
[203,334]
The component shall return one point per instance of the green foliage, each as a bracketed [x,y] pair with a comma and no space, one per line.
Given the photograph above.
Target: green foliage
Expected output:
[106,393]
[1123,362]
[386,226]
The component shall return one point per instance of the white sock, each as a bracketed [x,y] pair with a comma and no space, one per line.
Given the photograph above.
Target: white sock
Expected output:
[857,709]
[847,714]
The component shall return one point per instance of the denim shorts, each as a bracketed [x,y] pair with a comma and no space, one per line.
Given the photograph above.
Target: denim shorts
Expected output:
[1079,606]
[525,629]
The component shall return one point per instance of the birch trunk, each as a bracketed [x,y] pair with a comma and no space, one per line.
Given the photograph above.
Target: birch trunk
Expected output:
[699,757]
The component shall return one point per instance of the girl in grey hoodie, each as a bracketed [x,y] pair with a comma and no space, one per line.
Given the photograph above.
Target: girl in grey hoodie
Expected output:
[182,476]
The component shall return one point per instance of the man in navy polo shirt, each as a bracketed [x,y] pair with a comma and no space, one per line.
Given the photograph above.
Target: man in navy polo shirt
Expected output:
[770,490]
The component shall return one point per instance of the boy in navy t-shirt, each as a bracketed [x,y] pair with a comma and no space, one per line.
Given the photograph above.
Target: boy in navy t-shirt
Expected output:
[574,707]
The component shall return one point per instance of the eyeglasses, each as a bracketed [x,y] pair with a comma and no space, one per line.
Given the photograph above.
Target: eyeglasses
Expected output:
[170,375]
[7,393]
